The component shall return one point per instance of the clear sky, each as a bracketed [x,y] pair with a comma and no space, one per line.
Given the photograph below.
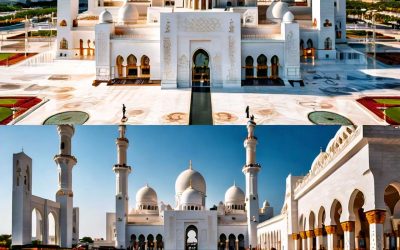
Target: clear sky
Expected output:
[157,155]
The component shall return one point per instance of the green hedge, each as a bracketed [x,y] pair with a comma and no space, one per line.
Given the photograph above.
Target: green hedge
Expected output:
[30,13]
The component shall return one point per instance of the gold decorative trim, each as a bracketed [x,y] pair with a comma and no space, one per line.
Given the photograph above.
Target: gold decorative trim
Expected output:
[376,216]
[310,234]
[318,232]
[347,226]
[330,229]
[295,236]
[303,235]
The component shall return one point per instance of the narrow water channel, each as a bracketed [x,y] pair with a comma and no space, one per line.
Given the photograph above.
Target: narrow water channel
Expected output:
[200,106]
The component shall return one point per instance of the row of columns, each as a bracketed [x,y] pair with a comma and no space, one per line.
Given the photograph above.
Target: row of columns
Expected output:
[227,244]
[375,219]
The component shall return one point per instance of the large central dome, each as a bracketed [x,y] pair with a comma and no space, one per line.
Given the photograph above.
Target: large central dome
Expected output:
[190,176]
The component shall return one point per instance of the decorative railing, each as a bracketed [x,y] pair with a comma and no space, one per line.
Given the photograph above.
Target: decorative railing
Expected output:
[260,36]
[340,143]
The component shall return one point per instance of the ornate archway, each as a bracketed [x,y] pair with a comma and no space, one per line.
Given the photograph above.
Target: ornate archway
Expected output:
[201,69]
[191,238]
[262,68]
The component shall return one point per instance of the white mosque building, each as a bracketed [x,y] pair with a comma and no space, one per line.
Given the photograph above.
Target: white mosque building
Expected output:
[188,224]
[350,199]
[181,43]
[65,217]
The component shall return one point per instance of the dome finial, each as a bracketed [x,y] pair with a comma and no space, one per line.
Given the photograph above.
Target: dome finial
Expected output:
[190,165]
[320,149]
[234,183]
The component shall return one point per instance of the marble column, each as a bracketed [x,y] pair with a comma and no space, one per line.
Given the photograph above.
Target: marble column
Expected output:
[331,231]
[296,241]
[303,237]
[236,244]
[349,240]
[319,238]
[310,239]
[227,244]
[376,218]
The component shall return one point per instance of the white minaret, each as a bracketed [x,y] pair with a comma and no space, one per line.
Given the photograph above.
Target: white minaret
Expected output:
[122,171]
[250,170]
[65,162]
[21,200]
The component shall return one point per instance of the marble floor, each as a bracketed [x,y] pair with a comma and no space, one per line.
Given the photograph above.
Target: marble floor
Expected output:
[329,86]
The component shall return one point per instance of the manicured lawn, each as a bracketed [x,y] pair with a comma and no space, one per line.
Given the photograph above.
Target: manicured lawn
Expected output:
[393,113]
[5,55]
[4,113]
[8,101]
[388,101]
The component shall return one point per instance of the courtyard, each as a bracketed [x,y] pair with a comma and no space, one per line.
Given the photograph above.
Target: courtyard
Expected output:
[329,96]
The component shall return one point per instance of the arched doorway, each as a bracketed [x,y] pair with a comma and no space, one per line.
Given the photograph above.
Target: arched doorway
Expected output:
[241,241]
[142,242]
[232,242]
[222,242]
[191,238]
[119,62]
[159,242]
[201,69]
[262,68]
[336,212]
[145,66]
[52,231]
[131,68]
[150,242]
[274,67]
[361,226]
[249,67]
[133,241]
[310,51]
[392,222]
[37,226]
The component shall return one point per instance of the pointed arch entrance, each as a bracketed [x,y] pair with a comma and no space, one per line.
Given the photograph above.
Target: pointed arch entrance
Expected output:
[191,238]
[201,69]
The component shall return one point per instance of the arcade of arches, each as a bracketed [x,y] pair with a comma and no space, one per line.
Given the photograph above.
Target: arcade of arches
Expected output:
[364,232]
[150,242]
[231,242]
[44,228]
[86,48]
[131,69]
[261,68]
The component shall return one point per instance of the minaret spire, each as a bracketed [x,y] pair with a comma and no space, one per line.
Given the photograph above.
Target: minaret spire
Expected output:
[65,162]
[250,170]
[121,170]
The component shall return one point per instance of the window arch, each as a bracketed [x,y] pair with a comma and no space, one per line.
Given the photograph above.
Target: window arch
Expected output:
[262,68]
[63,44]
[328,43]
[63,23]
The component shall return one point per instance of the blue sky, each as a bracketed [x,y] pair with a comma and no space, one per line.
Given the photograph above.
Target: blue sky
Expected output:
[157,155]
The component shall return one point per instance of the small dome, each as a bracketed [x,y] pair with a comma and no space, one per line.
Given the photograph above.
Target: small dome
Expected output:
[288,17]
[105,17]
[187,176]
[146,195]
[234,195]
[191,197]
[276,10]
[128,13]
